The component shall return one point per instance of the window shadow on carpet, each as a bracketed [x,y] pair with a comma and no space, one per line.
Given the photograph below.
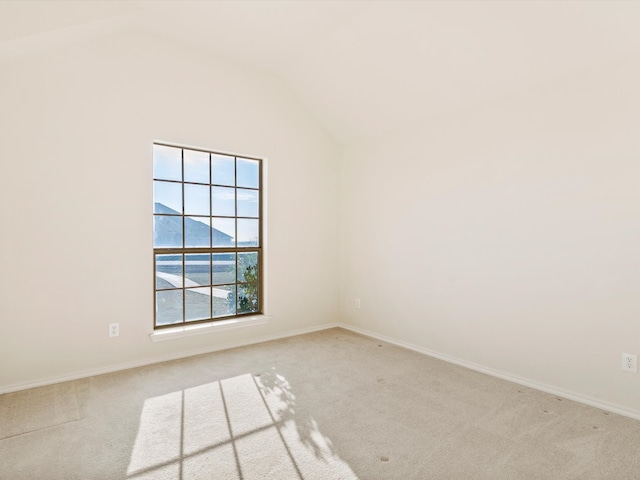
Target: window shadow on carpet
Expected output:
[238,428]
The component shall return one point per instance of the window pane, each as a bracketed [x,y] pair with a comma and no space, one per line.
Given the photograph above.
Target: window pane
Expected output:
[223,231]
[196,200]
[167,198]
[167,231]
[205,204]
[247,232]
[248,173]
[168,307]
[223,201]
[224,268]
[197,231]
[196,166]
[168,271]
[247,203]
[197,303]
[224,300]
[248,298]
[223,170]
[167,163]
[197,269]
[248,267]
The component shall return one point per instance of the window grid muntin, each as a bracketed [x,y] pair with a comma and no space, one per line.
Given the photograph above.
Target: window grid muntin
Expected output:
[184,251]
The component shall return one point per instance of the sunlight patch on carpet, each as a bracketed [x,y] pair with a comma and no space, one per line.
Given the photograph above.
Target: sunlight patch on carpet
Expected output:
[241,428]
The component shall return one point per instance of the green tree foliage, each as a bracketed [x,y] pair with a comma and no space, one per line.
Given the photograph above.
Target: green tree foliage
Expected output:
[248,289]
[248,293]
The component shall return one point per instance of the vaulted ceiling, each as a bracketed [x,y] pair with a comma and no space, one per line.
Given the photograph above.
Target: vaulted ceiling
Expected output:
[365,68]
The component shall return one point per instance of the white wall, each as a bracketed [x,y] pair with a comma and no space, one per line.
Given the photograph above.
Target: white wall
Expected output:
[77,124]
[507,236]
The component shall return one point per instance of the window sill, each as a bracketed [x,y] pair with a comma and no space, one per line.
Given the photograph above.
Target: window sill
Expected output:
[202,328]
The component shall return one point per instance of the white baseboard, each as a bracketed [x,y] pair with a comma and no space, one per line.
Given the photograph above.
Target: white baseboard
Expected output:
[593,402]
[576,397]
[163,358]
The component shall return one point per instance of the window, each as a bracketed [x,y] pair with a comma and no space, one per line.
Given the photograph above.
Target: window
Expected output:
[207,235]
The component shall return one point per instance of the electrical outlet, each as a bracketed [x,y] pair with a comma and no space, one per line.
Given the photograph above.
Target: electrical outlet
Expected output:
[114,329]
[357,303]
[630,362]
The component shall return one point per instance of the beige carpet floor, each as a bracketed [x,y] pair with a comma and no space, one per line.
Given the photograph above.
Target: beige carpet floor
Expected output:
[329,405]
